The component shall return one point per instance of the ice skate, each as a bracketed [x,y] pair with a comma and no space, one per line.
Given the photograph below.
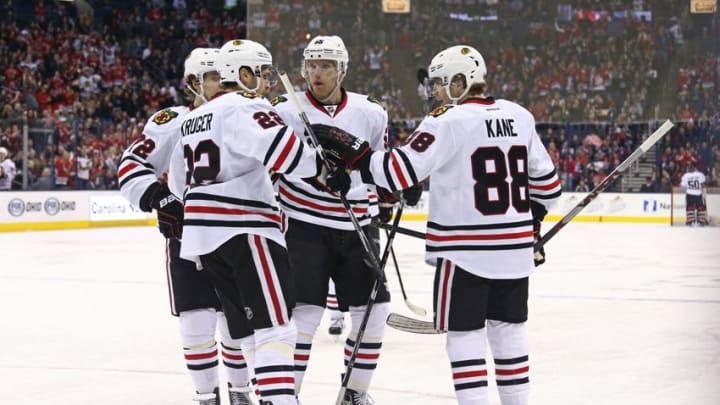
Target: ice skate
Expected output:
[211,398]
[240,395]
[336,328]
[353,397]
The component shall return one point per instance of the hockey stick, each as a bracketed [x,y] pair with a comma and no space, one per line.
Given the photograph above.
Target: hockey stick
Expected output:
[400,229]
[414,308]
[605,183]
[376,264]
[313,139]
[368,309]
[406,324]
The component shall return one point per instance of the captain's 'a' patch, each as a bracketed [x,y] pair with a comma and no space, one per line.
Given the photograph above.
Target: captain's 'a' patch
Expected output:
[277,100]
[440,110]
[164,116]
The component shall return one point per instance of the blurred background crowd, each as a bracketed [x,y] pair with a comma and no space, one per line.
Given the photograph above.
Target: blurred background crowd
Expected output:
[597,75]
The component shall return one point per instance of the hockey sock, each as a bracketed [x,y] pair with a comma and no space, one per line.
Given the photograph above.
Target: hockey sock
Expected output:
[702,215]
[197,334]
[307,319]
[235,355]
[274,368]
[691,215]
[509,344]
[369,350]
[466,351]
[332,303]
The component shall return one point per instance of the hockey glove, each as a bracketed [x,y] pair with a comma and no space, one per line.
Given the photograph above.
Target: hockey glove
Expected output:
[343,146]
[335,180]
[412,195]
[170,211]
[385,212]
[538,212]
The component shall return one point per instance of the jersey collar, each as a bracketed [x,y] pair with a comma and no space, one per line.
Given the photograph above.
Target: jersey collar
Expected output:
[483,101]
[319,106]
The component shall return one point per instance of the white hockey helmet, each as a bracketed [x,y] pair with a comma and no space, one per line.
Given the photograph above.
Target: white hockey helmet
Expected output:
[199,62]
[238,53]
[3,151]
[459,59]
[324,47]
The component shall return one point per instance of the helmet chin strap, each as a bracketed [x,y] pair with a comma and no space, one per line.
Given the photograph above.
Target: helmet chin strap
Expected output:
[201,94]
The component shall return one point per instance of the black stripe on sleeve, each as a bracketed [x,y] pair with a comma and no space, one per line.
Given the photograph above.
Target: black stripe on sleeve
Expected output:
[274,145]
[543,178]
[388,176]
[298,155]
[408,166]
[137,174]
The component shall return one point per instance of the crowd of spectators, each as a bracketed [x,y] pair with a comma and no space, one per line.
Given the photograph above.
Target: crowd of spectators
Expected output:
[87,80]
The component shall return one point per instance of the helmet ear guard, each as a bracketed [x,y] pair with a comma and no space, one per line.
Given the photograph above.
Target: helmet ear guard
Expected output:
[458,60]
[238,53]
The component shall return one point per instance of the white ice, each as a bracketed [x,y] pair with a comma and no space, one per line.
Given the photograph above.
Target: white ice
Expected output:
[620,314]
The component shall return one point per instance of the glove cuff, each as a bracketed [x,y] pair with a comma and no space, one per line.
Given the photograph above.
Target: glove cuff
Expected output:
[148,196]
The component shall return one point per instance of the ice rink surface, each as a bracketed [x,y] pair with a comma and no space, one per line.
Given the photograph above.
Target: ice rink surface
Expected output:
[620,314]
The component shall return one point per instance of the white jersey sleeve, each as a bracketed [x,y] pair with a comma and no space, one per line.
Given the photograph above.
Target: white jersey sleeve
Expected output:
[486,163]
[148,159]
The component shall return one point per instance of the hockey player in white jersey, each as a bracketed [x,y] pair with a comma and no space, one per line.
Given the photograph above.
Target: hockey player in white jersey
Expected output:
[232,221]
[7,170]
[693,181]
[491,182]
[192,295]
[322,241]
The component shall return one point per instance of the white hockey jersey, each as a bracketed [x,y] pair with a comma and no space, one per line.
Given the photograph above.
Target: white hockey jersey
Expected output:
[693,182]
[8,174]
[359,115]
[230,145]
[486,163]
[147,159]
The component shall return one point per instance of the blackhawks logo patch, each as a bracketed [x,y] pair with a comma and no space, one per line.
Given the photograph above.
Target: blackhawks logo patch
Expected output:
[247,94]
[164,116]
[277,100]
[440,110]
[376,101]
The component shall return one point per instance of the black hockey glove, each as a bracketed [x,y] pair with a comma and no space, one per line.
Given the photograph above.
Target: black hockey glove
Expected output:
[385,212]
[170,211]
[336,180]
[412,195]
[343,147]
[538,212]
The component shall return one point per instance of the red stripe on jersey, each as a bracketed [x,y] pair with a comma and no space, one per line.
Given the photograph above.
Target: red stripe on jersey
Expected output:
[199,209]
[201,356]
[497,236]
[365,356]
[514,371]
[126,169]
[276,380]
[268,279]
[302,357]
[468,374]
[229,356]
[285,152]
[443,295]
[547,186]
[316,206]
[398,171]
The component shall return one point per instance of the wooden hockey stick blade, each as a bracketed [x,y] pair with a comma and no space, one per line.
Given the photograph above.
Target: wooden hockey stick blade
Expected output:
[418,310]
[407,324]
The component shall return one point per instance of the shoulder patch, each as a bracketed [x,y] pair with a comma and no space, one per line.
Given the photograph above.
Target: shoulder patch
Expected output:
[440,110]
[247,94]
[164,116]
[277,100]
[376,101]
